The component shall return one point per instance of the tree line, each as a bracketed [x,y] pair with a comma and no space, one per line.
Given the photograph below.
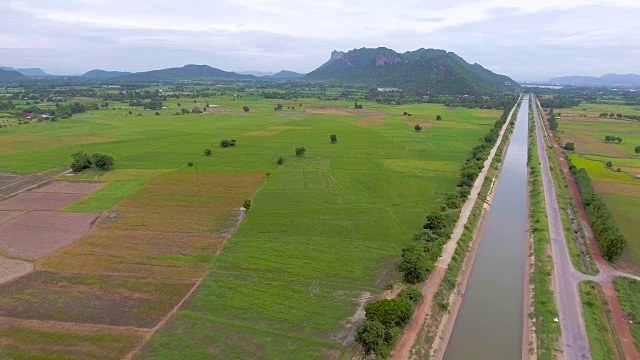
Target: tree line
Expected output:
[610,240]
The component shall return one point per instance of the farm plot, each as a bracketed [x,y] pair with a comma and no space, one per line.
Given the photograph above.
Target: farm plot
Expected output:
[620,189]
[325,229]
[171,228]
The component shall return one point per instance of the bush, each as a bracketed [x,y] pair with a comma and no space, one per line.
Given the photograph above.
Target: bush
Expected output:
[570,146]
[280,160]
[207,152]
[438,117]
[102,161]
[333,138]
[80,162]
[417,128]
[245,108]
[371,335]
[390,313]
[247,204]
[225,143]
[414,264]
[300,151]
[190,164]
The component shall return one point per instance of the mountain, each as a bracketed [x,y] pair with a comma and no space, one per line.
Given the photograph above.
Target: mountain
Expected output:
[423,70]
[286,74]
[10,75]
[103,74]
[187,72]
[27,71]
[608,79]
[257,73]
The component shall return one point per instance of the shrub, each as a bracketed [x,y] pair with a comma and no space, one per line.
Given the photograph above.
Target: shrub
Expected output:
[245,108]
[102,161]
[333,138]
[225,143]
[390,313]
[247,204]
[438,117]
[280,160]
[80,162]
[414,264]
[207,152]
[417,128]
[190,163]
[300,151]
[371,335]
[570,146]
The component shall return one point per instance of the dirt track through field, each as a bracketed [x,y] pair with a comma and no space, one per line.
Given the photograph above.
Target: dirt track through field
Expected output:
[429,288]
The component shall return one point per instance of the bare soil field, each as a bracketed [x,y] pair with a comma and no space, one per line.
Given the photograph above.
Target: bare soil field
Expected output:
[99,299]
[591,145]
[609,187]
[8,178]
[6,215]
[12,268]
[69,187]
[39,233]
[39,201]
[328,111]
[374,119]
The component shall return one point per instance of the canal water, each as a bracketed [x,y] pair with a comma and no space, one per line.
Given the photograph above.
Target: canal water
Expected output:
[489,325]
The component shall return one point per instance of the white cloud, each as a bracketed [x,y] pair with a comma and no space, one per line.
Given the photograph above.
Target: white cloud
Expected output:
[298,35]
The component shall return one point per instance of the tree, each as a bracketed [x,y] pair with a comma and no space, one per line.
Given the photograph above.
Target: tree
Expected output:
[157,113]
[604,115]
[333,138]
[245,108]
[207,152]
[130,112]
[278,107]
[417,128]
[300,151]
[390,313]
[609,164]
[637,149]
[102,161]
[190,164]
[247,204]
[280,160]
[612,115]
[179,104]
[619,115]
[607,138]
[413,264]
[405,113]
[370,335]
[81,161]
[196,110]
[438,117]
[225,143]
[570,146]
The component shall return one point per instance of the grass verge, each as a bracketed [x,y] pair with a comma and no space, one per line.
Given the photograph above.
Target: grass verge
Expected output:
[596,318]
[544,306]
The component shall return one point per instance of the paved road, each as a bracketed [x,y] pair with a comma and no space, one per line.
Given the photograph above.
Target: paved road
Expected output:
[574,335]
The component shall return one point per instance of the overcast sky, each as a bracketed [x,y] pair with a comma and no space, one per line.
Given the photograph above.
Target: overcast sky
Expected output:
[527,40]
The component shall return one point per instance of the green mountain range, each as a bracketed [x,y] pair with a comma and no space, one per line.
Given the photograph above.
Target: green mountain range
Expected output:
[11,75]
[426,71]
[187,72]
[103,74]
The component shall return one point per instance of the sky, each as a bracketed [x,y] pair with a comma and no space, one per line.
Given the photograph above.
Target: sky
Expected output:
[527,40]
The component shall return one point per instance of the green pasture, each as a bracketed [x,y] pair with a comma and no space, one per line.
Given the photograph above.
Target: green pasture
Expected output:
[325,229]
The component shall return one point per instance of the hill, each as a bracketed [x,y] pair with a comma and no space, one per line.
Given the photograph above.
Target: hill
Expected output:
[103,74]
[10,75]
[423,70]
[608,79]
[187,72]
[286,74]
[26,71]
